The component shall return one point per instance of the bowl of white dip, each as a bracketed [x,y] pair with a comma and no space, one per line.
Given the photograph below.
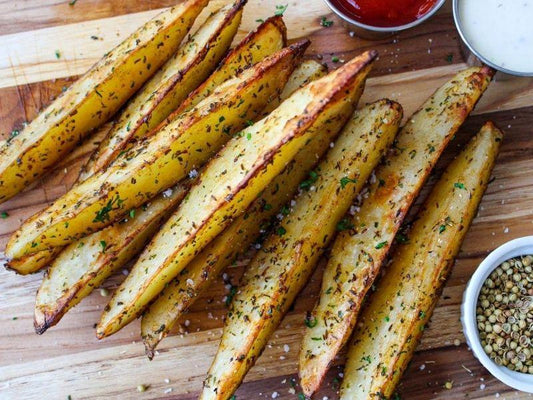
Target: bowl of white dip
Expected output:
[498,32]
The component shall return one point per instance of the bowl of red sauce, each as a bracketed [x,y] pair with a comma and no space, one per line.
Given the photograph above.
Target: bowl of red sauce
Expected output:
[378,18]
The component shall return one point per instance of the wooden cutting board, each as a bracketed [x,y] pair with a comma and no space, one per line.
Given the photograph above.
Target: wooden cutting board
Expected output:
[69,361]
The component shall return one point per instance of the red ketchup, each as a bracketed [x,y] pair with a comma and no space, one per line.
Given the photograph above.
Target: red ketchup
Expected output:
[384,13]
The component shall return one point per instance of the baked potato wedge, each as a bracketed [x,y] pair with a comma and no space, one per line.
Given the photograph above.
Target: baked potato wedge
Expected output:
[178,77]
[33,262]
[280,270]
[94,98]
[246,165]
[358,254]
[160,161]
[403,301]
[85,264]
[183,290]
[268,38]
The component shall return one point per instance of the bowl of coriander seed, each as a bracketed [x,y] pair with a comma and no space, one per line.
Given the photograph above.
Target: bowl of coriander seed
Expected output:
[497,313]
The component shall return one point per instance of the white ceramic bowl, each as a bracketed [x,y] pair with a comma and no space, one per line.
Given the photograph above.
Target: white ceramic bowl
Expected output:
[514,248]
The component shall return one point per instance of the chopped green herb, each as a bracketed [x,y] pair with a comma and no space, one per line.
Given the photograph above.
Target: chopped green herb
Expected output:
[387,319]
[285,210]
[280,9]
[72,2]
[249,122]
[459,185]
[381,182]
[449,58]
[345,180]
[313,176]
[231,294]
[94,37]
[316,338]
[335,59]
[344,224]
[102,215]
[329,290]
[281,231]
[221,119]
[58,54]
[442,228]
[324,22]
[310,322]
[15,318]
[422,314]
[301,396]
[4,215]
[401,238]
[248,136]
[381,244]
[128,127]
[103,244]
[260,20]
[132,213]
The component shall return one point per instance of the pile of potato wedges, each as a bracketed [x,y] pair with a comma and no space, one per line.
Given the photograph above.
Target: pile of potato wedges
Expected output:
[213,149]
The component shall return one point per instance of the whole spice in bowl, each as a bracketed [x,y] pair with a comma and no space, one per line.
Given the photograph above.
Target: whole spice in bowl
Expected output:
[504,314]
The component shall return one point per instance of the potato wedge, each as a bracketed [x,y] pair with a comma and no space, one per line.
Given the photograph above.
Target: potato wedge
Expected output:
[194,61]
[405,297]
[94,98]
[280,270]
[86,263]
[183,290]
[33,262]
[268,38]
[246,166]
[160,161]
[357,255]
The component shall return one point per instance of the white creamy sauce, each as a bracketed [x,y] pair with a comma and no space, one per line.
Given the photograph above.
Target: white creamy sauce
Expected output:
[500,30]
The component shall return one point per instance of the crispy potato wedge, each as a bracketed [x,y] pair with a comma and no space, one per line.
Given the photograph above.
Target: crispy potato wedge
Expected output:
[280,270]
[194,61]
[33,262]
[160,161]
[86,263]
[268,38]
[94,98]
[179,294]
[405,297]
[358,254]
[246,166]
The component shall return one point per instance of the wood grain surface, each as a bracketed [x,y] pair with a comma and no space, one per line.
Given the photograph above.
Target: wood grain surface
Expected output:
[69,361]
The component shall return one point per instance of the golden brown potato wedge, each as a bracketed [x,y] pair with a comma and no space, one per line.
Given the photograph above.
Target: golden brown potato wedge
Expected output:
[94,98]
[178,77]
[404,299]
[33,262]
[268,38]
[357,255]
[287,258]
[246,166]
[179,294]
[86,263]
[160,161]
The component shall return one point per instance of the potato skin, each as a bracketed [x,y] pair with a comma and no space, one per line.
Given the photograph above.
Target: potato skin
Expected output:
[246,165]
[287,258]
[183,290]
[165,91]
[93,99]
[404,299]
[160,161]
[357,255]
